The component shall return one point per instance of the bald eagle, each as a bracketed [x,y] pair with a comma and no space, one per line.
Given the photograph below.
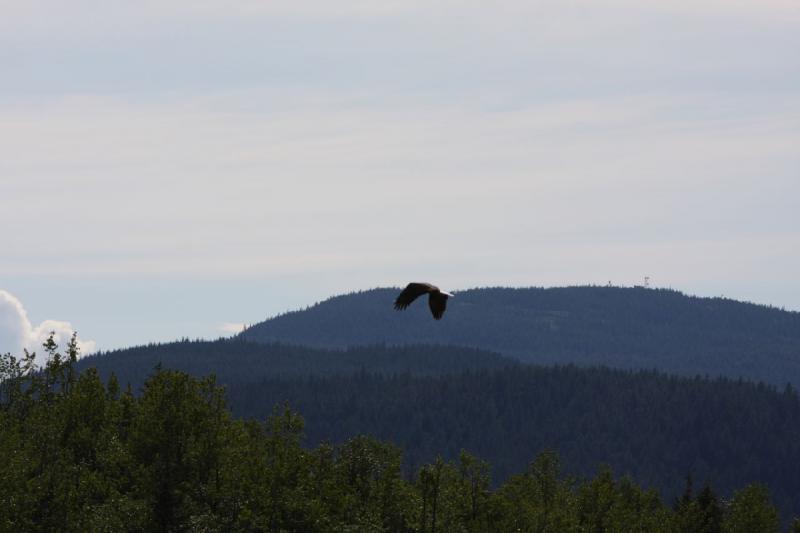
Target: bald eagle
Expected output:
[437,300]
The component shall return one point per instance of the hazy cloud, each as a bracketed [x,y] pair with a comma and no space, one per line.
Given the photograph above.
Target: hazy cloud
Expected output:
[231,328]
[17,332]
[233,189]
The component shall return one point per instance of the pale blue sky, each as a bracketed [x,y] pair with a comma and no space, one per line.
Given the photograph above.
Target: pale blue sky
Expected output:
[167,169]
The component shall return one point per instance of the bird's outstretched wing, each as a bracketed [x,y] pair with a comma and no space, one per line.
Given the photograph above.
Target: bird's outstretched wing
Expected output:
[411,293]
[437,301]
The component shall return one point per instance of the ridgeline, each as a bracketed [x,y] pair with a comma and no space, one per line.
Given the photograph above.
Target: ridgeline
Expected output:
[633,328]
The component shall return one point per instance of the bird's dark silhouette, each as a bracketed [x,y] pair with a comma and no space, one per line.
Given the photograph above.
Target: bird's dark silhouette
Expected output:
[437,299]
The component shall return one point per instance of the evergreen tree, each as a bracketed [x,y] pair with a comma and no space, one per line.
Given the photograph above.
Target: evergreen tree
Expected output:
[751,510]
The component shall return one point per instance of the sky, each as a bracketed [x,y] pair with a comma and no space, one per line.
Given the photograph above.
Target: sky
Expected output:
[179,169]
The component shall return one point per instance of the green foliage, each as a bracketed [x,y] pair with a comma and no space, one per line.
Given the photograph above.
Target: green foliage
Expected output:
[751,510]
[82,455]
[176,440]
[540,499]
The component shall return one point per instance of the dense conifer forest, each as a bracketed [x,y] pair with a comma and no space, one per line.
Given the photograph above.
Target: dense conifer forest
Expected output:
[237,360]
[613,326]
[81,454]
[653,427]
[436,400]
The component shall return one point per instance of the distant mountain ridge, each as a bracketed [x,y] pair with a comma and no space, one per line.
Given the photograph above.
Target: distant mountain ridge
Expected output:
[633,328]
[237,361]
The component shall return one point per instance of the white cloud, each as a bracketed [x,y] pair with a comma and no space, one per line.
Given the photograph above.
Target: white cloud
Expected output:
[17,333]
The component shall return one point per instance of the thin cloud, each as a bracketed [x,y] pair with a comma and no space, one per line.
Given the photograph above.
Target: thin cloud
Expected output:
[595,170]
[231,327]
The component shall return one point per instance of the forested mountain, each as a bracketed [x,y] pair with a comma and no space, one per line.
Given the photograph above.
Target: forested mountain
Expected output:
[82,455]
[237,361]
[613,326]
[433,400]
[654,427]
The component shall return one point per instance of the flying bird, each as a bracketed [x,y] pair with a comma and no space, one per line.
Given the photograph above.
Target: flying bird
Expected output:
[437,300]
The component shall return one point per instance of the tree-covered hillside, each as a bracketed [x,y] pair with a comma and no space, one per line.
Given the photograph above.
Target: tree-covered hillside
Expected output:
[654,427]
[613,326]
[83,455]
[436,400]
[241,361]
